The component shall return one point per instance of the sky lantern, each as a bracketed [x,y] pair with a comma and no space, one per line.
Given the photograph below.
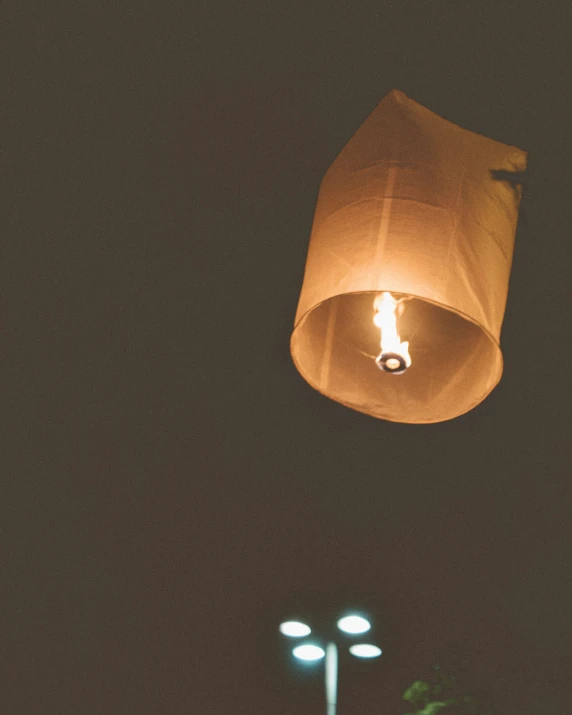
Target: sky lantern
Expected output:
[408,267]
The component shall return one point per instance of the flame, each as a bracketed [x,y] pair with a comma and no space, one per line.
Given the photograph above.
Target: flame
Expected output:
[385,318]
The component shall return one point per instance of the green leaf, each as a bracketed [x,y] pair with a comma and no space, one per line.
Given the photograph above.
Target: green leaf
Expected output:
[416,692]
[433,708]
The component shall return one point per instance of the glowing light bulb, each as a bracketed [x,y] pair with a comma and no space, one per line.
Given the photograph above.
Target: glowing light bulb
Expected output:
[309,652]
[294,629]
[365,650]
[394,356]
[354,624]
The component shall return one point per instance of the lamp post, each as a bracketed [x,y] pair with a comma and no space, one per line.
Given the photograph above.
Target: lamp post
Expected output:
[316,649]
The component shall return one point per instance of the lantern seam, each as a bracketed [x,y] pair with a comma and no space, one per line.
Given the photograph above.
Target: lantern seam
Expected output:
[375,197]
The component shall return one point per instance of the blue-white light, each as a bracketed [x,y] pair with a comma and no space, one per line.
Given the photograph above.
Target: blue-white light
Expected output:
[354,624]
[365,650]
[309,652]
[295,629]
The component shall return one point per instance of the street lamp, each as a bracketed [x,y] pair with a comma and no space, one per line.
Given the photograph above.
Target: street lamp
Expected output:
[351,625]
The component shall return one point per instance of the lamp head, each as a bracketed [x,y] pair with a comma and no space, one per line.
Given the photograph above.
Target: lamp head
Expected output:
[295,629]
[354,624]
[365,650]
[309,652]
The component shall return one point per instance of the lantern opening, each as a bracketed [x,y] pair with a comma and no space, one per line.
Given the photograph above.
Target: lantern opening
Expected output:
[394,357]
[456,362]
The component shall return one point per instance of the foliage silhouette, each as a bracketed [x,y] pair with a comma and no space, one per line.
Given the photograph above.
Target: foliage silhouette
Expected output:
[443,696]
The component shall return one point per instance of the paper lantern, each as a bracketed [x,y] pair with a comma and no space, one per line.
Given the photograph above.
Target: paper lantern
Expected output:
[410,252]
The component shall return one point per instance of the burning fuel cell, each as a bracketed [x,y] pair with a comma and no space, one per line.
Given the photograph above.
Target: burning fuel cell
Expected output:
[391,362]
[394,356]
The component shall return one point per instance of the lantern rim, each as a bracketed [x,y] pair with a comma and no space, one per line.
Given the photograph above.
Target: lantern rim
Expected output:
[450,309]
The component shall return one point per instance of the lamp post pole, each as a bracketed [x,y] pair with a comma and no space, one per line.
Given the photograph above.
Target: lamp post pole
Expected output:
[331,678]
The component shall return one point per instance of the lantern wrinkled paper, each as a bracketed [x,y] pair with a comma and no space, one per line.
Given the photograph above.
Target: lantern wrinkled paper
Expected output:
[410,207]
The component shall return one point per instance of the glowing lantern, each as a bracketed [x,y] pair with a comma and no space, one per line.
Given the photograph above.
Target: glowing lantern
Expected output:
[410,253]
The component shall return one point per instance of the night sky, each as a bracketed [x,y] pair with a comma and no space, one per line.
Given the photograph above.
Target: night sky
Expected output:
[171,487]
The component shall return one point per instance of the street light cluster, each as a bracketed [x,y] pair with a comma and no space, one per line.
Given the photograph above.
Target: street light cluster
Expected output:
[351,625]
[311,650]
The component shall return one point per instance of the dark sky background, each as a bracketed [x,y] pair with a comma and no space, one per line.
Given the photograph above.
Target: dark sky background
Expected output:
[171,487]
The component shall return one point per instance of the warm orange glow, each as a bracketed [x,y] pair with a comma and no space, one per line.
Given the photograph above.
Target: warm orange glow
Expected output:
[411,214]
[385,318]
